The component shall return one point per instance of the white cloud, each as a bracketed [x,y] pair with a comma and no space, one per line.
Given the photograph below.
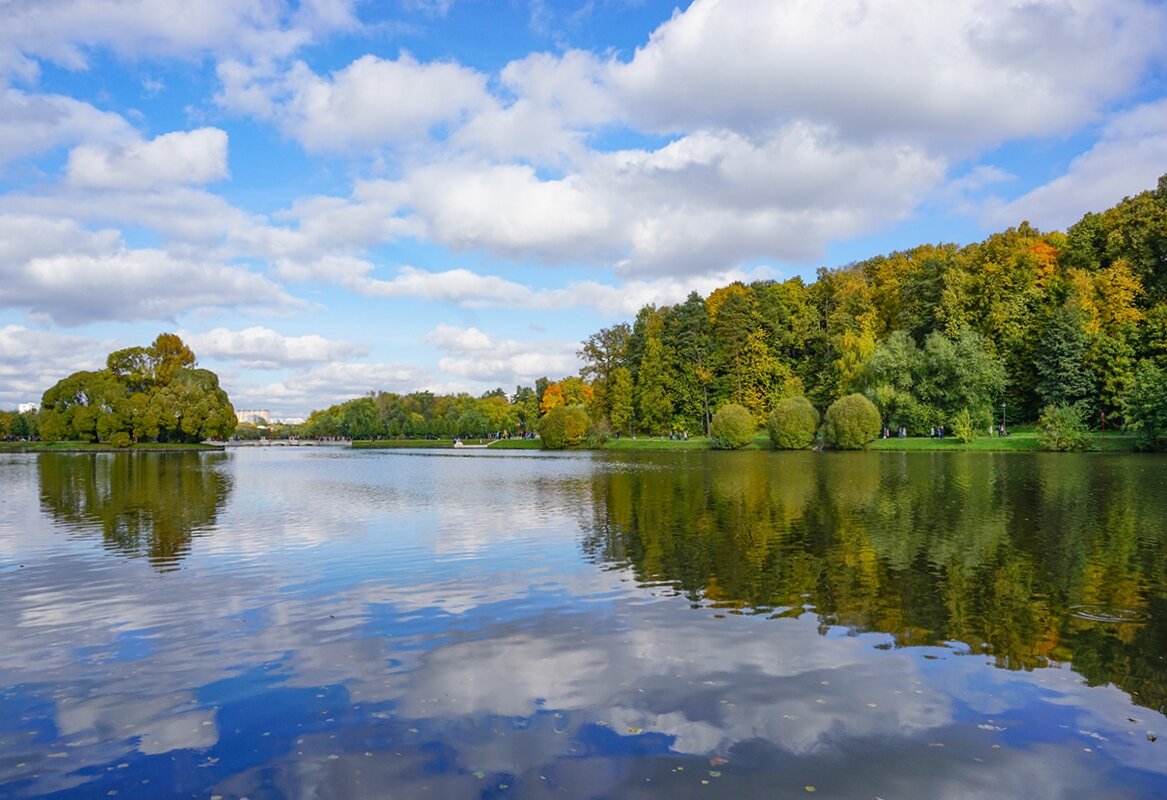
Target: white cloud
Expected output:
[263,348]
[555,102]
[962,71]
[707,201]
[198,156]
[477,356]
[33,360]
[36,123]
[66,32]
[371,102]
[510,211]
[58,271]
[1127,159]
[471,290]
[325,384]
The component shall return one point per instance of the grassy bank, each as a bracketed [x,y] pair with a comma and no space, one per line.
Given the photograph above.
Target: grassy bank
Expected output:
[1023,440]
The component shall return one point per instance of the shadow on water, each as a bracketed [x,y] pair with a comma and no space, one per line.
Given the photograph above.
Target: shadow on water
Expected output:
[145,505]
[985,553]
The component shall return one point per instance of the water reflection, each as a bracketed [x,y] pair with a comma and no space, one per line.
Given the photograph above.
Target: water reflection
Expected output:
[144,504]
[999,553]
[400,625]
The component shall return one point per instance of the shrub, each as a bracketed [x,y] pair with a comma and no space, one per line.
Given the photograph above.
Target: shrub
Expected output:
[851,422]
[1061,428]
[1146,410]
[733,427]
[598,434]
[562,427]
[792,424]
[120,439]
[962,427]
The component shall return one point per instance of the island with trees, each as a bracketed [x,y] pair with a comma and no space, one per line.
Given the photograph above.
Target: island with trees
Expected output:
[145,396]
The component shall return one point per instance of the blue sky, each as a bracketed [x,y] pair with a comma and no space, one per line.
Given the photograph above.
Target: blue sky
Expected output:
[331,197]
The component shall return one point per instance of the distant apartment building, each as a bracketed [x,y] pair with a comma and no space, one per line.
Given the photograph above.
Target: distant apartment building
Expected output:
[26,407]
[254,415]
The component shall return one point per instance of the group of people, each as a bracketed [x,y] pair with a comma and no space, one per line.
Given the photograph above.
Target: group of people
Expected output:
[938,431]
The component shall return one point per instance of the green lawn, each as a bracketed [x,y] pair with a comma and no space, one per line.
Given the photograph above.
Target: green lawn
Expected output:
[381,444]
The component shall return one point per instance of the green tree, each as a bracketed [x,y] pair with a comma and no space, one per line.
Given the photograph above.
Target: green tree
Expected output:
[792,424]
[961,373]
[733,427]
[653,402]
[1063,377]
[144,393]
[562,427]
[620,399]
[602,353]
[851,422]
[1146,411]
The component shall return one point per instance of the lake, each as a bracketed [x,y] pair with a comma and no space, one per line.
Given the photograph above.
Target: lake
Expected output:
[327,623]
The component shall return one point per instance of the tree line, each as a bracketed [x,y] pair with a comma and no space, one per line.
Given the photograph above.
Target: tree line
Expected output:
[995,330]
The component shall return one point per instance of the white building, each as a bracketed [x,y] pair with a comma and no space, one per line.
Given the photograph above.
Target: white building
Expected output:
[253,415]
[24,407]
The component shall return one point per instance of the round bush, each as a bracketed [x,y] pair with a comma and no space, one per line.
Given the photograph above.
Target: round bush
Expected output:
[1061,428]
[120,439]
[851,422]
[792,424]
[732,427]
[562,426]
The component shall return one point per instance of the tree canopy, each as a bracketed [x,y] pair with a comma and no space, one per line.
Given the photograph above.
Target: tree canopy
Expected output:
[145,394]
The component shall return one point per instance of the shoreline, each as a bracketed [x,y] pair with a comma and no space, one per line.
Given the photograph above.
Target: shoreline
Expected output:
[1024,441]
[98,447]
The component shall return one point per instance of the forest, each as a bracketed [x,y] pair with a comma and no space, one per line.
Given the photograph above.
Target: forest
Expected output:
[1074,321]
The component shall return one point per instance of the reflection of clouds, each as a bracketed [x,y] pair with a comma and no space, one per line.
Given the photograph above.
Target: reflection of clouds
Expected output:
[710,683]
[460,608]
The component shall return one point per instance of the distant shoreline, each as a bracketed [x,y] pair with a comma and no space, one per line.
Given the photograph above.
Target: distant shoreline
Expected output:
[1021,441]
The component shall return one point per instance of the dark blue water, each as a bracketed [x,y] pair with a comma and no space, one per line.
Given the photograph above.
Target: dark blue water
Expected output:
[317,622]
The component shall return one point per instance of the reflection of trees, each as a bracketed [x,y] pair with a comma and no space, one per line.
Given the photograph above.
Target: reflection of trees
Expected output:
[144,504]
[992,550]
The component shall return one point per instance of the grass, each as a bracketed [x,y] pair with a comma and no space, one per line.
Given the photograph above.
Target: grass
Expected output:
[382,444]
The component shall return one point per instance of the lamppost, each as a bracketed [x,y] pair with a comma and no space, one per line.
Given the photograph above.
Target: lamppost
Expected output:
[1002,416]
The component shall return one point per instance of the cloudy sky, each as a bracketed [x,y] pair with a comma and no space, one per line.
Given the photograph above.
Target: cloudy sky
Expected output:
[328,197]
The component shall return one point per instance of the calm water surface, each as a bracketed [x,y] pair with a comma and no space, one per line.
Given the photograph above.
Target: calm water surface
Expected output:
[324,623]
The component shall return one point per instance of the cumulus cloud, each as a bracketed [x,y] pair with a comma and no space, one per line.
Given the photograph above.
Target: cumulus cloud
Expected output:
[371,102]
[198,156]
[471,290]
[1127,158]
[969,71]
[477,356]
[324,384]
[263,348]
[706,201]
[66,32]
[36,123]
[58,271]
[33,360]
